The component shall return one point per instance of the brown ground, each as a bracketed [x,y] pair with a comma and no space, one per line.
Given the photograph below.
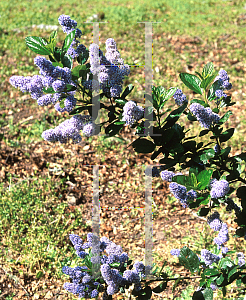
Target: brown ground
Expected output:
[169,225]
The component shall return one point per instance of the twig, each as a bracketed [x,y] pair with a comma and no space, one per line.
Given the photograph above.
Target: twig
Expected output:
[22,121]
[16,281]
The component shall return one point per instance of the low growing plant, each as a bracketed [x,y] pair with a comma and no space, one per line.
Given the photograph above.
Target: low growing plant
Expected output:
[212,169]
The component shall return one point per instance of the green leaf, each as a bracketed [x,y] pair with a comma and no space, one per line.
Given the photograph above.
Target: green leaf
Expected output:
[120,101]
[208,70]
[204,132]
[232,272]
[226,135]
[144,294]
[207,154]
[127,91]
[210,272]
[37,45]
[53,36]
[49,90]
[113,129]
[220,279]
[174,116]
[115,265]
[203,179]
[62,105]
[83,57]
[206,294]
[192,82]
[226,262]
[79,110]
[203,103]
[68,40]
[206,82]
[67,61]
[203,212]
[143,146]
[52,41]
[214,87]
[79,71]
[169,93]
[200,75]
[189,259]
[225,117]
[39,274]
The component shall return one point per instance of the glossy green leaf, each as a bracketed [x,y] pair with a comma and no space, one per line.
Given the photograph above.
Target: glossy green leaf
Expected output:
[203,179]
[189,259]
[143,146]
[192,82]
[207,81]
[127,91]
[208,70]
[226,135]
[37,45]
[225,117]
[68,40]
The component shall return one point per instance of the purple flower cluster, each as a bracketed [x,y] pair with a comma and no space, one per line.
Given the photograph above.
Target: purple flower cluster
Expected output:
[82,284]
[214,221]
[110,69]
[219,188]
[167,175]
[69,129]
[50,76]
[223,235]
[204,115]
[240,259]
[175,252]
[208,257]
[224,82]
[216,148]
[180,192]
[179,97]
[111,276]
[68,26]
[132,113]
[216,224]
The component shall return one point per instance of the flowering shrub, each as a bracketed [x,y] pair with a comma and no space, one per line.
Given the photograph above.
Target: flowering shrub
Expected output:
[212,172]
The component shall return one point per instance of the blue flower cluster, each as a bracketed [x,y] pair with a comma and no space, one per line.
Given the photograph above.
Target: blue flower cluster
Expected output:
[179,97]
[175,252]
[180,192]
[83,283]
[214,221]
[110,69]
[69,129]
[216,148]
[240,259]
[168,175]
[208,257]
[132,113]
[224,82]
[219,188]
[69,25]
[223,235]
[55,77]
[216,224]
[204,115]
